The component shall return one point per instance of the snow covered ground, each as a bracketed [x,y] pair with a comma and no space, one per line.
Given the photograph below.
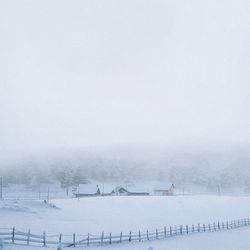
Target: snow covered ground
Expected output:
[116,214]
[19,191]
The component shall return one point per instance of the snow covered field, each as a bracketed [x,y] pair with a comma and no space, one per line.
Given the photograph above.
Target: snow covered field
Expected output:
[124,213]
[116,214]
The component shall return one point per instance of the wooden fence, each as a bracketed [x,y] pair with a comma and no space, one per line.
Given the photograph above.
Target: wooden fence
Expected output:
[12,235]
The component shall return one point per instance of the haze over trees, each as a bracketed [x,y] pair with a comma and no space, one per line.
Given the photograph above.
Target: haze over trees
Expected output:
[205,168]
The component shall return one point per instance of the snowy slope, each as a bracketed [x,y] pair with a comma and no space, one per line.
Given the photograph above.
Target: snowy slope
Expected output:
[116,214]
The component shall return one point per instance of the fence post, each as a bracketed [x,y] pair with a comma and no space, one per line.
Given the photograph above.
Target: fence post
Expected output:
[170,231]
[214,227]
[88,240]
[175,227]
[74,239]
[13,235]
[139,236]
[227,225]
[102,238]
[121,237]
[165,232]
[198,227]
[209,227]
[156,233]
[130,238]
[248,221]
[60,238]
[187,229]
[28,237]
[238,223]
[193,228]
[110,238]
[147,235]
[180,229]
[218,225]
[204,227]
[44,239]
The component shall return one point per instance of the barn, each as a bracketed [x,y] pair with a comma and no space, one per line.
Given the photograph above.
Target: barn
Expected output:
[165,192]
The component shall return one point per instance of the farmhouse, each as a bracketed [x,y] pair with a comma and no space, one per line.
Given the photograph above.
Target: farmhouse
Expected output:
[87,190]
[165,192]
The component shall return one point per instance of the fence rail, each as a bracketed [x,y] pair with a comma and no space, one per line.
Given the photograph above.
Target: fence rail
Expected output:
[12,235]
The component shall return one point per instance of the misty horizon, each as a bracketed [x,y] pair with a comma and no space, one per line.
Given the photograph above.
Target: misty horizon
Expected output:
[157,87]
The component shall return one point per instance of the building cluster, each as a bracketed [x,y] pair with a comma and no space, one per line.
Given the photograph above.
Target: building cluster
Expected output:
[90,189]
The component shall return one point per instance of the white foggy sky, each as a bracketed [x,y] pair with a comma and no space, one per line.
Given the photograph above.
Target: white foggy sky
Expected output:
[79,73]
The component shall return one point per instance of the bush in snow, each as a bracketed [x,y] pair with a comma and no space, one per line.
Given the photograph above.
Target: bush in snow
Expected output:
[59,247]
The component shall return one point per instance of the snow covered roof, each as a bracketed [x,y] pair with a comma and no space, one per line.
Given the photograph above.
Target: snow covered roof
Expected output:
[139,189]
[89,188]
[148,186]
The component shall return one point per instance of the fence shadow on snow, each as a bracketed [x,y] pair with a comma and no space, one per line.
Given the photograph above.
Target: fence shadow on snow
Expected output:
[12,235]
